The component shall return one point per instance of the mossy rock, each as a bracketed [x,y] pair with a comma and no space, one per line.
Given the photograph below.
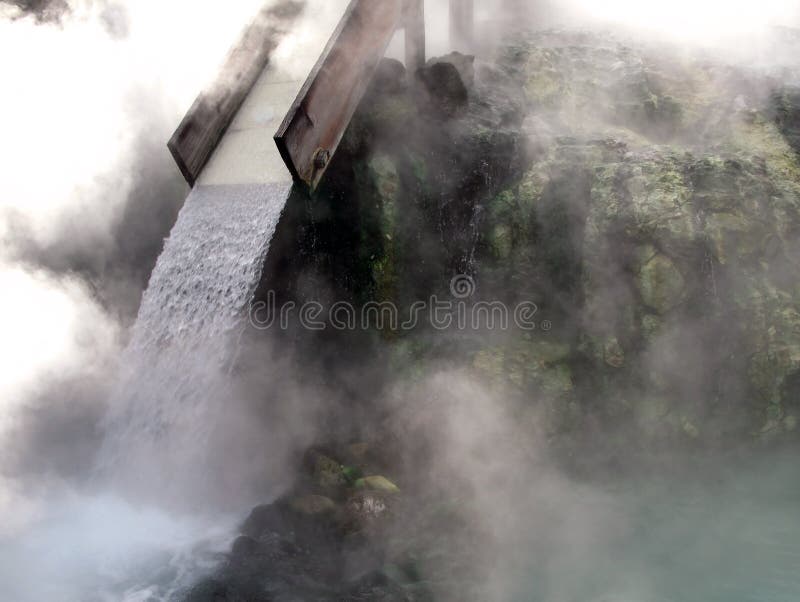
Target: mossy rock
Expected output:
[613,353]
[528,365]
[661,285]
[312,505]
[327,472]
[377,483]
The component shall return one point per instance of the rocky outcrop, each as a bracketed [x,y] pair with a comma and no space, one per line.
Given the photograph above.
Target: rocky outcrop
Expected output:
[646,202]
[679,242]
[309,546]
[786,104]
[649,205]
[645,206]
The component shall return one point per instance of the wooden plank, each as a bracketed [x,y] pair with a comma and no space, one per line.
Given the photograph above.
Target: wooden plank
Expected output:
[415,35]
[462,24]
[317,120]
[209,117]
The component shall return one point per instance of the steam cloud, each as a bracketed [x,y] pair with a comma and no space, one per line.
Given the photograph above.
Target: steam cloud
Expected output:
[89,193]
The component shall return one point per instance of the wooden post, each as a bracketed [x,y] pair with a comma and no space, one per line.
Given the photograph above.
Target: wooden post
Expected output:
[206,122]
[462,24]
[312,130]
[415,35]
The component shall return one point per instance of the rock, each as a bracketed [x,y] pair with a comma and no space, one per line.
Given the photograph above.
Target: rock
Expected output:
[535,365]
[326,472]
[312,506]
[361,557]
[357,452]
[244,546]
[228,590]
[308,517]
[464,64]
[689,428]
[446,93]
[660,283]
[651,326]
[649,208]
[380,585]
[377,483]
[389,78]
[364,508]
[647,204]
[593,78]
[264,519]
[613,354]
[786,106]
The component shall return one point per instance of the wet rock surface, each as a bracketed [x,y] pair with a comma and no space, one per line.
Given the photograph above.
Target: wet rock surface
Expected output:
[306,546]
[787,114]
[674,258]
[646,203]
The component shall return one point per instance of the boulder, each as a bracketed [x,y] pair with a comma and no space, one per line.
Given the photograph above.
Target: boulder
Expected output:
[660,282]
[786,106]
[312,506]
[443,85]
[377,483]
[326,472]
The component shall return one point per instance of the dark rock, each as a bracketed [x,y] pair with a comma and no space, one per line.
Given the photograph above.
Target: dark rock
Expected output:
[326,472]
[244,546]
[390,77]
[444,90]
[786,104]
[378,585]
[312,506]
[268,518]
[360,557]
[366,512]
[221,590]
[464,64]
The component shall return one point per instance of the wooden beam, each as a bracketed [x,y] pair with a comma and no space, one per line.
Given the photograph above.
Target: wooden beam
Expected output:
[209,117]
[415,35]
[317,120]
[462,24]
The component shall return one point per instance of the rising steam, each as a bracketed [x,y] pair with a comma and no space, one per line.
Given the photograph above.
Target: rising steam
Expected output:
[93,89]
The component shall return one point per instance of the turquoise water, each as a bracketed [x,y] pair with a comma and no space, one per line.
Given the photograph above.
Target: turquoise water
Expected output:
[732,536]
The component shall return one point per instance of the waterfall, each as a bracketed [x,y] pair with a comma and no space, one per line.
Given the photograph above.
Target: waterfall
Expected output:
[174,383]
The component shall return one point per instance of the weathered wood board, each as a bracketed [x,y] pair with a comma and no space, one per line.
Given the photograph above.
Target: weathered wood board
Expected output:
[209,117]
[314,126]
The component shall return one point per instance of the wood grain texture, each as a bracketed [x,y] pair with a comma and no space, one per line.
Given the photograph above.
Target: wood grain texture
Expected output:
[327,101]
[209,117]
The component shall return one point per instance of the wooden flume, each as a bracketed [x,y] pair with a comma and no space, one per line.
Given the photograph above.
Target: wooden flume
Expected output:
[316,121]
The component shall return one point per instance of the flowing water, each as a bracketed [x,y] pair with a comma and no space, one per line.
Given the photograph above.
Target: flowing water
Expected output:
[734,537]
[103,549]
[173,391]
[175,381]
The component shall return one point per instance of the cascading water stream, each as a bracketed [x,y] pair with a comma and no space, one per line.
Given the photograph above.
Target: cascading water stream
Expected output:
[185,340]
[170,395]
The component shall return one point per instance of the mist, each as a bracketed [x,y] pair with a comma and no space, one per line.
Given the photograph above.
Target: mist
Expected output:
[87,198]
